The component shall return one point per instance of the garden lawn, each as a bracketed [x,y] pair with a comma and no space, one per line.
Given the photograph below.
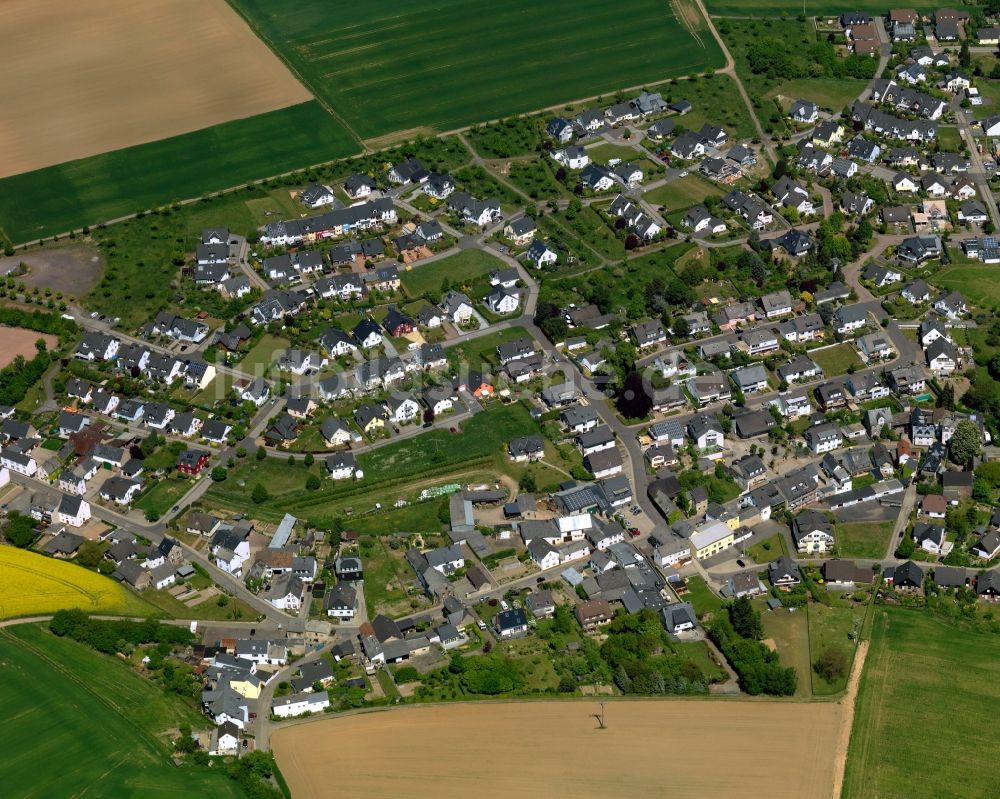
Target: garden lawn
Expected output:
[924,678]
[458,269]
[769,549]
[863,539]
[89,725]
[386,68]
[603,153]
[68,196]
[263,356]
[701,597]
[836,360]
[682,193]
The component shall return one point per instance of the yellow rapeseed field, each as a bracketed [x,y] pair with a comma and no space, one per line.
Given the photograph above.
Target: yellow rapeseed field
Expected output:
[34,585]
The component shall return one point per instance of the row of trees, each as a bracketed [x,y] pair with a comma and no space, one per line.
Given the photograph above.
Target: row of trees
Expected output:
[110,636]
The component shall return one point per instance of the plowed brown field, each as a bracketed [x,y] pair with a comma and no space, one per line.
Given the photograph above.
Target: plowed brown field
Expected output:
[650,748]
[84,77]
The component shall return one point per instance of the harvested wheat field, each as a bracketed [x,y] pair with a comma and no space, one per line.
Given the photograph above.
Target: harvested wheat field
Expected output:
[81,78]
[650,748]
[16,341]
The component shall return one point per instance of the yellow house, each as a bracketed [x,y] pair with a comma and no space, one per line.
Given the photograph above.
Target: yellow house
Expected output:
[248,687]
[711,538]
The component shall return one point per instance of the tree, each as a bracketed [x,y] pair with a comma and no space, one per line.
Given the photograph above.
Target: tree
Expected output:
[831,665]
[965,443]
[964,56]
[219,474]
[906,547]
[745,620]
[947,397]
[312,483]
[90,554]
[528,482]
[632,400]
[309,460]
[20,530]
[261,454]
[681,328]
[259,494]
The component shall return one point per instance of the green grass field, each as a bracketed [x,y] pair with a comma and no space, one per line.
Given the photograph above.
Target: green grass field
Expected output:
[977,282]
[164,495]
[461,268]
[682,193]
[87,725]
[778,8]
[107,186]
[925,686]
[825,92]
[390,471]
[863,539]
[836,360]
[386,68]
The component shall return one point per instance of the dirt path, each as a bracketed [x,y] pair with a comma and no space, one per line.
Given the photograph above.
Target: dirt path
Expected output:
[847,719]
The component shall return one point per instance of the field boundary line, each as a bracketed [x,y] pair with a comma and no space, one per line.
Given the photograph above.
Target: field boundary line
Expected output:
[298,76]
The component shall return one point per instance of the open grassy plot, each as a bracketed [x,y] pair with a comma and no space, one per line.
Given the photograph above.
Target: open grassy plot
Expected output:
[35,584]
[924,682]
[713,98]
[825,92]
[428,459]
[977,282]
[836,360]
[949,138]
[88,725]
[592,230]
[110,185]
[171,66]
[863,539]
[386,68]
[799,744]
[164,495]
[419,517]
[831,626]
[536,178]
[790,632]
[682,193]
[773,57]
[460,268]
[209,610]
